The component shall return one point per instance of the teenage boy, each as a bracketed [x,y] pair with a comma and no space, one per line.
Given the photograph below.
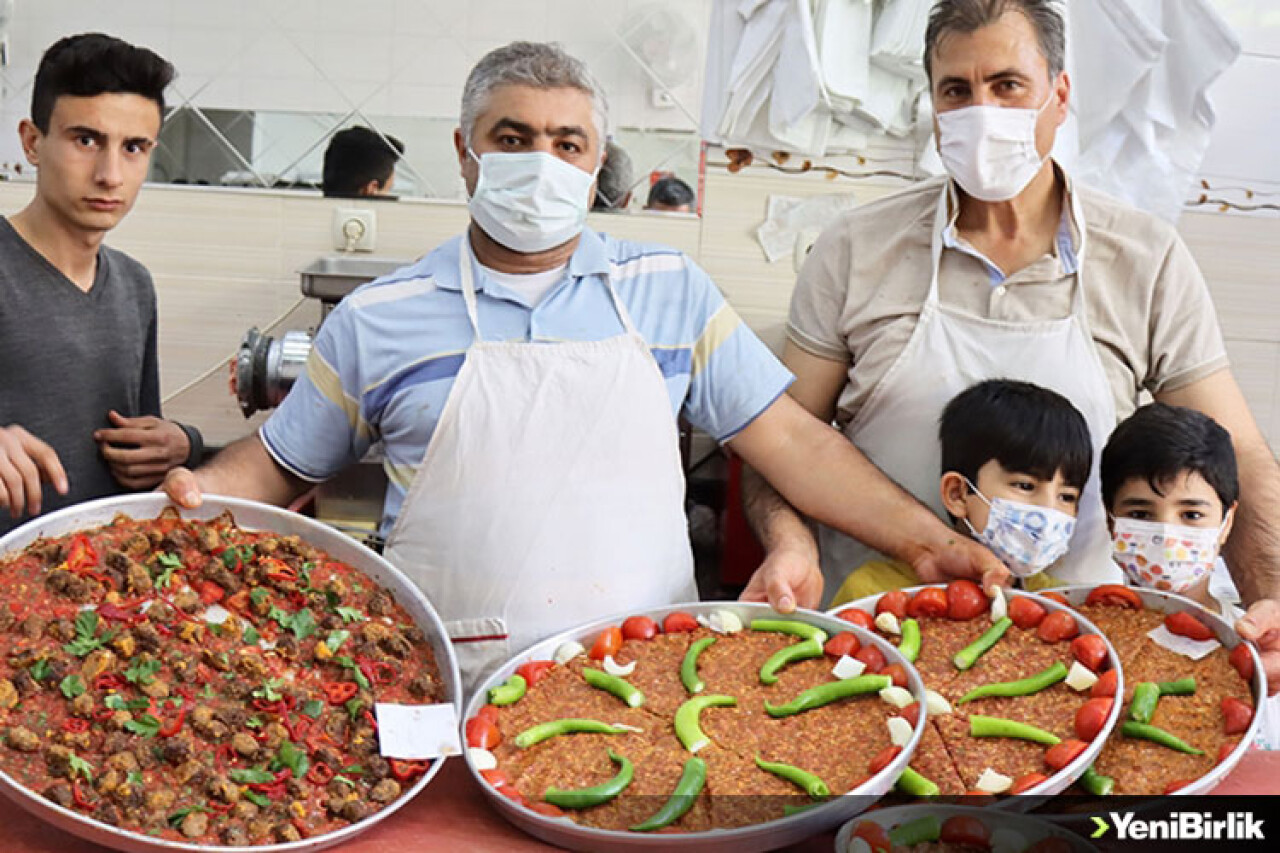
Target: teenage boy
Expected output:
[79,377]
[1015,458]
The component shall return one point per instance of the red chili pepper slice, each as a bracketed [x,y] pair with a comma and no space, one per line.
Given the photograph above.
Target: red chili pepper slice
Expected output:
[224,754]
[210,592]
[78,798]
[108,681]
[369,718]
[278,570]
[103,714]
[377,671]
[82,555]
[339,691]
[320,774]
[75,725]
[218,808]
[171,729]
[404,770]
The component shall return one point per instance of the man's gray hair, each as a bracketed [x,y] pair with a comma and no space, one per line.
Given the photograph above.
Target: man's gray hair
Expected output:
[966,16]
[539,65]
[615,178]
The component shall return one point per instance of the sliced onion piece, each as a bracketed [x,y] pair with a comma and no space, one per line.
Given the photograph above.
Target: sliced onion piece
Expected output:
[481,759]
[936,704]
[899,731]
[888,623]
[724,622]
[993,782]
[999,606]
[612,667]
[216,614]
[858,845]
[1079,677]
[898,697]
[627,727]
[568,651]
[848,667]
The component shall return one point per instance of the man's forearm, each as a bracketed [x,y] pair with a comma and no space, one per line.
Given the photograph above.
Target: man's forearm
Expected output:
[773,520]
[1253,549]
[245,469]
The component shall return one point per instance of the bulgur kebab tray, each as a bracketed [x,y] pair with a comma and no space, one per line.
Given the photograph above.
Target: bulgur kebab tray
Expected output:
[936,828]
[715,726]
[207,680]
[1013,702]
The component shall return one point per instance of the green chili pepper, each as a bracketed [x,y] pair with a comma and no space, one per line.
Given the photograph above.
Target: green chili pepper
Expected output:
[687,789]
[802,650]
[567,726]
[1143,705]
[689,666]
[585,798]
[1145,731]
[1097,784]
[688,727]
[624,690]
[912,783]
[969,655]
[909,648]
[919,831]
[790,626]
[509,692]
[1042,680]
[1181,687]
[825,694]
[812,785]
[980,726]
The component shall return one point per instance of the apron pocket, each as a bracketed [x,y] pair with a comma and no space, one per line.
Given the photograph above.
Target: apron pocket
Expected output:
[481,646]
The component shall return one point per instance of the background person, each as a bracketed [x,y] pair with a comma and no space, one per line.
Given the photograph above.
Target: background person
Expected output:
[360,162]
[670,194]
[614,181]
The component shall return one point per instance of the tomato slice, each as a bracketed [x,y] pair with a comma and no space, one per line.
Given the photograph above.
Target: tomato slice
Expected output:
[1059,756]
[1057,626]
[608,643]
[858,617]
[894,601]
[1115,595]
[1025,612]
[1236,715]
[495,777]
[911,713]
[482,733]
[1177,785]
[1092,716]
[1090,650]
[1242,660]
[1105,685]
[1055,596]
[883,759]
[639,628]
[1226,749]
[966,600]
[1185,625]
[679,623]
[928,602]
[966,830]
[1026,783]
[535,670]
[876,836]
[488,712]
[843,643]
[897,672]
[872,658]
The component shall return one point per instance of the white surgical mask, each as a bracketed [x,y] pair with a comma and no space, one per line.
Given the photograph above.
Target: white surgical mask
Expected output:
[530,201]
[991,151]
[1170,557]
[1027,538]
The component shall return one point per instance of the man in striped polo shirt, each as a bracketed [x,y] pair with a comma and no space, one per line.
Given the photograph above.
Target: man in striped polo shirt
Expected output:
[525,378]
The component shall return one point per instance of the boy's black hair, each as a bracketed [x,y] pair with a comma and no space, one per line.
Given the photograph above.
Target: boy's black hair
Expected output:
[671,191]
[1024,427]
[355,157]
[1159,442]
[92,64]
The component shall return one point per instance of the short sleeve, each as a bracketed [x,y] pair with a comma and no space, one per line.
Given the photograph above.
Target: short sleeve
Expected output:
[1186,341]
[817,303]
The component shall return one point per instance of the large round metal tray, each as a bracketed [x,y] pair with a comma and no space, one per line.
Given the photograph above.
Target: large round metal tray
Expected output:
[1033,829]
[1168,602]
[764,836]
[1061,780]
[250,515]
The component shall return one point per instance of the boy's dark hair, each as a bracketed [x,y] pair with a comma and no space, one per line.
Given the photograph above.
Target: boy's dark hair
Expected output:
[355,157]
[671,191]
[1024,427]
[1159,442]
[92,64]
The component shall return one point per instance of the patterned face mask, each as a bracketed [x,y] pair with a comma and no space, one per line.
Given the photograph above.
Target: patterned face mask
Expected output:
[1170,557]
[1027,538]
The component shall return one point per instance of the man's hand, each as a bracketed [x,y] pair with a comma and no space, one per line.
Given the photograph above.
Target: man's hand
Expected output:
[141,450]
[960,557]
[182,487]
[789,577]
[24,461]
[1261,626]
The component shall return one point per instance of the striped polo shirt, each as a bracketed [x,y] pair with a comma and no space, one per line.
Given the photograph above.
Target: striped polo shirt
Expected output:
[386,358]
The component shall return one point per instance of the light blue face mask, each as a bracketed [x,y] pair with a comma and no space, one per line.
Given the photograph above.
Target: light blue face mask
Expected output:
[1027,538]
[530,201]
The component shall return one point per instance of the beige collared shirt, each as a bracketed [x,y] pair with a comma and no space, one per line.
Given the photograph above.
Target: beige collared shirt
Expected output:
[860,292]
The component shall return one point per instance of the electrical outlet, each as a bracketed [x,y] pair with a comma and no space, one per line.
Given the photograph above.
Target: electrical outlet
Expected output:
[354,230]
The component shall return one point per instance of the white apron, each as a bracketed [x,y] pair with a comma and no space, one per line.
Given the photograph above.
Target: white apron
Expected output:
[897,428]
[550,494]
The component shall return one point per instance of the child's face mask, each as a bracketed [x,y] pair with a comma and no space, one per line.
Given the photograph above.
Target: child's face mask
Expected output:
[1027,538]
[1171,557]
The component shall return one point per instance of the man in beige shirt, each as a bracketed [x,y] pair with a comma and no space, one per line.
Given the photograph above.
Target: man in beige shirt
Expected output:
[1006,268]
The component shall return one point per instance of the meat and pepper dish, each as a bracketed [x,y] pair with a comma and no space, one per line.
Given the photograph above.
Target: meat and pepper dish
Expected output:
[194,681]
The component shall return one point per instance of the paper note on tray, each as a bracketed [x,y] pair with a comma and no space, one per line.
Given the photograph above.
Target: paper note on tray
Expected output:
[418,731]
[1185,646]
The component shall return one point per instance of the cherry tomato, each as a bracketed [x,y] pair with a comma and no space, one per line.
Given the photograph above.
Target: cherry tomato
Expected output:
[883,760]
[1115,595]
[928,602]
[1226,749]
[545,809]
[1186,625]
[483,733]
[1177,785]
[639,628]
[1025,612]
[966,830]
[1242,660]
[897,673]
[679,623]
[871,657]
[1237,715]
[1090,650]
[911,713]
[1105,685]
[894,601]
[1059,756]
[495,777]
[535,670]
[1053,844]
[1092,716]
[966,600]
[1058,625]
[1055,596]
[608,643]
[876,836]
[858,617]
[1026,783]
[488,712]
[844,643]
[511,792]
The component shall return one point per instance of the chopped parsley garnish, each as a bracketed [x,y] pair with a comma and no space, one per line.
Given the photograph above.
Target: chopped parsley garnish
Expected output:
[335,639]
[72,686]
[176,819]
[312,708]
[80,766]
[40,669]
[169,562]
[86,627]
[270,690]
[353,707]
[257,799]
[344,780]
[354,770]
[354,669]
[349,614]
[237,556]
[134,778]
[206,692]
[302,623]
[142,672]
[258,595]
[251,776]
[293,758]
[251,635]
[254,722]
[304,572]
[144,726]
[116,703]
